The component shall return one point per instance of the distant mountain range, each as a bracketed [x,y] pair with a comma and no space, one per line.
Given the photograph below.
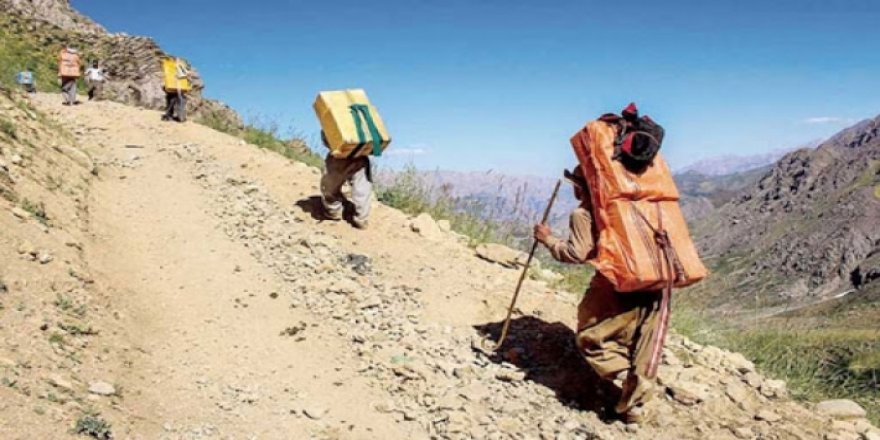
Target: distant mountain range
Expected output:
[733,164]
[520,197]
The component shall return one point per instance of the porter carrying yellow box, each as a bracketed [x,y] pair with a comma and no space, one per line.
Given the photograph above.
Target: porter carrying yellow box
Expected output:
[175,75]
[352,126]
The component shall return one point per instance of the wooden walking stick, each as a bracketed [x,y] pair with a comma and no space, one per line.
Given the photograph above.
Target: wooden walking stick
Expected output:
[522,277]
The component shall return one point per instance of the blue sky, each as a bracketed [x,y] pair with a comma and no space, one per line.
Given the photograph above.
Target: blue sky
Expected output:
[503,84]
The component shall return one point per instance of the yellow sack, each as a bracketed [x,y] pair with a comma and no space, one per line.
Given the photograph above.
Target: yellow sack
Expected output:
[176,75]
[352,126]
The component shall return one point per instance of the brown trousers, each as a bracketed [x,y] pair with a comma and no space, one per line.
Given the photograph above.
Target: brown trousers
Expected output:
[615,331]
[96,90]
[68,89]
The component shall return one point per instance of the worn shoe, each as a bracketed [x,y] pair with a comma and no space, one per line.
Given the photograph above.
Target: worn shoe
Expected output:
[332,215]
[637,391]
[635,415]
[363,224]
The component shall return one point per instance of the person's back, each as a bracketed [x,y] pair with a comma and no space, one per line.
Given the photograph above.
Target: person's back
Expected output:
[25,79]
[176,82]
[69,72]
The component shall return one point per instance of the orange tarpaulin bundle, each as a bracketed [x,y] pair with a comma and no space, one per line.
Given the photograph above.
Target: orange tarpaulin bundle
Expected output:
[630,210]
[68,64]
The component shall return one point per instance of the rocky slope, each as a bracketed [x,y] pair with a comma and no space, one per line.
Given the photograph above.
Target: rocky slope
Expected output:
[175,285]
[133,63]
[807,230]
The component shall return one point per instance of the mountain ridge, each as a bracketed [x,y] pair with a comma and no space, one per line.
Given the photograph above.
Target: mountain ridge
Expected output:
[817,201]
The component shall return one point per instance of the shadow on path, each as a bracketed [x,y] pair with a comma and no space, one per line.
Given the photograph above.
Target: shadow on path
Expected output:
[312,206]
[547,353]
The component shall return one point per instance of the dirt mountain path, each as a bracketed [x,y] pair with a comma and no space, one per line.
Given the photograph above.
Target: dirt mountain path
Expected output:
[202,313]
[244,316]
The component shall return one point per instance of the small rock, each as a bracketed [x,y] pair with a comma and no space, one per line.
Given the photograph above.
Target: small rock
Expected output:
[61,383]
[27,248]
[753,379]
[840,425]
[444,225]
[871,435]
[44,257]
[686,393]
[773,388]
[842,436]
[509,426]
[500,254]
[740,363]
[768,416]
[862,425]
[465,373]
[16,160]
[425,226]
[102,388]
[360,264]
[20,213]
[743,433]
[510,375]
[384,407]
[737,393]
[841,409]
[314,412]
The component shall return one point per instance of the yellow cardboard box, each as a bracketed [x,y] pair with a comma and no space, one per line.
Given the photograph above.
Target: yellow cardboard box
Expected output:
[350,123]
[176,75]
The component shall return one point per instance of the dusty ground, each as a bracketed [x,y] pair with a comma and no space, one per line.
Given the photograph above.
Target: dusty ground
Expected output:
[224,309]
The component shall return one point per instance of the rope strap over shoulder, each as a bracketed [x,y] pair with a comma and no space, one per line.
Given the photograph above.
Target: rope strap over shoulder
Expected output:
[675,272]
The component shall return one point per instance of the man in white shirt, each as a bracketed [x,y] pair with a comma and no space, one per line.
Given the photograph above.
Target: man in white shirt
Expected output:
[95,76]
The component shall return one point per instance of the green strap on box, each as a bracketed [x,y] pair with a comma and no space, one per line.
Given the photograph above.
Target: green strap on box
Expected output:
[358,110]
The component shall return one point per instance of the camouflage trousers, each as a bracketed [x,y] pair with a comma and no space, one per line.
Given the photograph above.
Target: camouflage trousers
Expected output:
[614,335]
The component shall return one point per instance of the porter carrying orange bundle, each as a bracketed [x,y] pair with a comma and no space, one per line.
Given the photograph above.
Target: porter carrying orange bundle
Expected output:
[630,228]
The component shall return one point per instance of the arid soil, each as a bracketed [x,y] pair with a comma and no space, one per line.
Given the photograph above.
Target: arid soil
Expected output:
[179,286]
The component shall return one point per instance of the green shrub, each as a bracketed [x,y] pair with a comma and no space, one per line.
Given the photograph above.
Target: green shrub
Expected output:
[817,364]
[8,128]
[410,192]
[266,136]
[38,210]
[93,425]
[19,51]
